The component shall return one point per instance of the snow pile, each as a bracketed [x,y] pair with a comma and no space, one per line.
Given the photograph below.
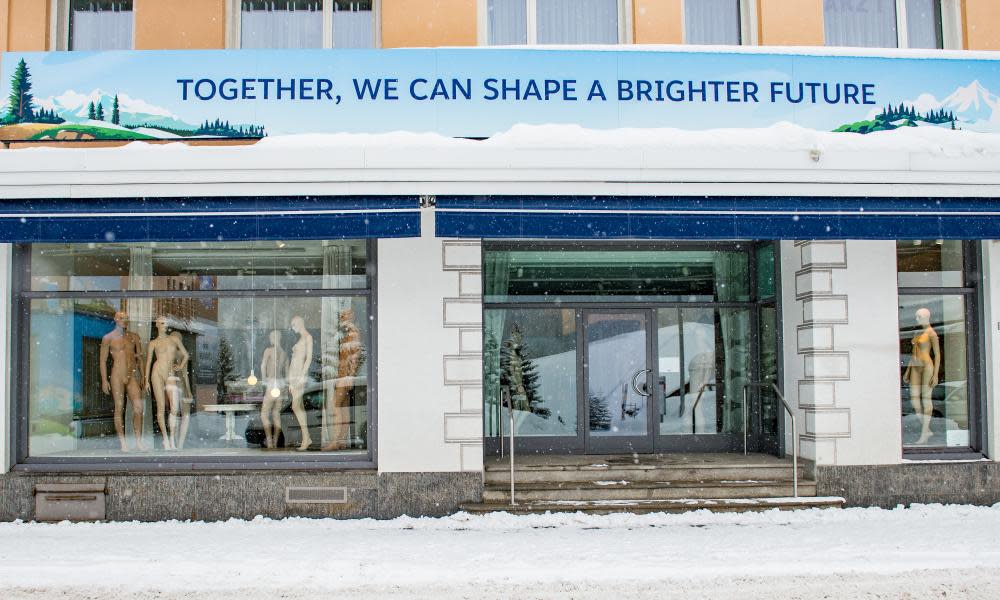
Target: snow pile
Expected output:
[926,550]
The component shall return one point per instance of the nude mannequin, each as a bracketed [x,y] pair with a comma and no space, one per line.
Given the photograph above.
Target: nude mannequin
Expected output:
[922,372]
[161,378]
[349,360]
[125,349]
[186,396]
[273,368]
[298,372]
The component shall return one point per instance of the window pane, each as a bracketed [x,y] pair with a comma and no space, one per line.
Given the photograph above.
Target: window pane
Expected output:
[869,23]
[577,21]
[201,266]
[765,272]
[529,356]
[281,24]
[930,263]
[935,371]
[507,22]
[923,23]
[203,376]
[712,22]
[100,25]
[627,275]
[353,24]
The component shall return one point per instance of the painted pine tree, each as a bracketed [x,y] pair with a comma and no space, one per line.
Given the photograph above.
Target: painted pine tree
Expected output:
[20,109]
[91,112]
[115,115]
[100,111]
[518,375]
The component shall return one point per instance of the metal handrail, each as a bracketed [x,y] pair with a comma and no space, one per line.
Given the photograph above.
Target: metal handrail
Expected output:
[795,429]
[505,398]
[694,407]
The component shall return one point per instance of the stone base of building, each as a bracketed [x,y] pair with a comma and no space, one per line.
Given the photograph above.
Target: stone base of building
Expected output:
[245,495]
[888,486]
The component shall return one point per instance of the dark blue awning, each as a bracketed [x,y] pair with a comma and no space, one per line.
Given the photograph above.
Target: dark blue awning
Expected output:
[717,218]
[208,219]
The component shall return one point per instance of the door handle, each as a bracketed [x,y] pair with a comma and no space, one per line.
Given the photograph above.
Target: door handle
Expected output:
[635,388]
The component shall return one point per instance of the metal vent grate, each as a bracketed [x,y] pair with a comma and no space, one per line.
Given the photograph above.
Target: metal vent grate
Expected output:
[315,495]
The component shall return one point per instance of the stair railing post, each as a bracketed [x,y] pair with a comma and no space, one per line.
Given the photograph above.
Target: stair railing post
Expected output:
[510,411]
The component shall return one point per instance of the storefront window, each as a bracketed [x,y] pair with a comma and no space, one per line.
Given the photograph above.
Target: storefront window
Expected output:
[934,338]
[215,349]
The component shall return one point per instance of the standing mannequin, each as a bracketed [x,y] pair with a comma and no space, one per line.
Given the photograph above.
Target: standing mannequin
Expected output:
[185,391]
[298,372]
[125,349]
[273,368]
[349,359]
[922,372]
[161,379]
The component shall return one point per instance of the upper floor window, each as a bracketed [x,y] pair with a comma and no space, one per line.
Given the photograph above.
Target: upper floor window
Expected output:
[553,22]
[883,23]
[100,24]
[307,24]
[713,22]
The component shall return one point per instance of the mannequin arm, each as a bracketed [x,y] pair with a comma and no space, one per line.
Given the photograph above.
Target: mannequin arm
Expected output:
[149,363]
[307,358]
[263,363]
[184,355]
[104,367]
[936,349]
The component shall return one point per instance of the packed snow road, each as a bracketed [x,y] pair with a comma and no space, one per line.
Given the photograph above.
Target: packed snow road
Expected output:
[922,552]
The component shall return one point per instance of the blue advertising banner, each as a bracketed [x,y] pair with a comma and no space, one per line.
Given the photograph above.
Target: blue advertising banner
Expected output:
[478,92]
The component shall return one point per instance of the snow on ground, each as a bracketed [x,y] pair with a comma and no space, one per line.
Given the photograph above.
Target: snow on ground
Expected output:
[921,552]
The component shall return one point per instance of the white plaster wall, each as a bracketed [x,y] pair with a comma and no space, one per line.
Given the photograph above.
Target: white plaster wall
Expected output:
[425,368]
[5,326]
[991,326]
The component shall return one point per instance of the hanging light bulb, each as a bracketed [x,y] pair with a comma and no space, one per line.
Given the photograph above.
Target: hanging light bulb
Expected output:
[252,380]
[275,392]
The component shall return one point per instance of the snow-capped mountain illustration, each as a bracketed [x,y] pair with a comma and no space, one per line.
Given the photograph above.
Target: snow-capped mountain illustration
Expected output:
[976,108]
[73,106]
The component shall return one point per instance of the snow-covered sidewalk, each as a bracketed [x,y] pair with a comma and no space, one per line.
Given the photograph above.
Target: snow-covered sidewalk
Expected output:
[922,552]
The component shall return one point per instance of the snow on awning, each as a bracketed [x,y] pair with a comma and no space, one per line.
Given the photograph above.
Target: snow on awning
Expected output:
[208,219]
[701,218]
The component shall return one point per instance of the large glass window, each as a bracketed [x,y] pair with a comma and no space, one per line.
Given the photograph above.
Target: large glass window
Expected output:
[936,304]
[552,22]
[307,24]
[101,25]
[712,22]
[876,23]
[205,349]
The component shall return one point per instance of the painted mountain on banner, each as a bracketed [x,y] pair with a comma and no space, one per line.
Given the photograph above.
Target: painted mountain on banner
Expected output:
[975,107]
[73,106]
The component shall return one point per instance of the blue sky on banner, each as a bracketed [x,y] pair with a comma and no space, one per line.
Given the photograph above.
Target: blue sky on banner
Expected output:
[182,89]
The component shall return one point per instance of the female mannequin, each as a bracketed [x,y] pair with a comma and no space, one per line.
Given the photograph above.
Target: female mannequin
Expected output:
[298,372]
[922,372]
[273,368]
[161,379]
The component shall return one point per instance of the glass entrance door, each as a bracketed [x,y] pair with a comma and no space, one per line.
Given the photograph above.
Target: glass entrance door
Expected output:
[618,390]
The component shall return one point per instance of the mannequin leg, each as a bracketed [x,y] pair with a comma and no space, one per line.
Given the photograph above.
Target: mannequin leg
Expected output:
[118,394]
[158,395]
[174,406]
[135,397]
[300,415]
[266,409]
[928,405]
[276,420]
[185,421]
[338,419]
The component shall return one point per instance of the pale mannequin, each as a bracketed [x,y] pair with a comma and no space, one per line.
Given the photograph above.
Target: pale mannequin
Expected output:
[125,349]
[186,398]
[922,372]
[298,372]
[161,378]
[273,368]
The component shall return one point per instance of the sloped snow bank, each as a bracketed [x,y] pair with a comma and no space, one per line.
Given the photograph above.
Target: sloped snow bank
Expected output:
[924,551]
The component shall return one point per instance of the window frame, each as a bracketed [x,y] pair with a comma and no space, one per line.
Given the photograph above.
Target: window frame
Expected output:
[21,299]
[951,25]
[234,10]
[971,292]
[748,23]
[59,25]
[625,28]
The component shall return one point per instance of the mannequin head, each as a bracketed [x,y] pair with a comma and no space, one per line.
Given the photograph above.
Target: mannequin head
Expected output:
[161,325]
[121,319]
[347,315]
[298,325]
[923,317]
[275,337]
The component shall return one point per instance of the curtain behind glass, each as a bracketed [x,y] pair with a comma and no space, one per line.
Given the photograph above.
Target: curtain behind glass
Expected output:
[868,23]
[923,23]
[140,318]
[353,25]
[105,25]
[507,22]
[577,21]
[281,24]
[336,265]
[496,274]
[712,22]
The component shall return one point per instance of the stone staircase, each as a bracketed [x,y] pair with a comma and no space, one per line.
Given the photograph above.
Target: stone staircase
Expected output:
[644,483]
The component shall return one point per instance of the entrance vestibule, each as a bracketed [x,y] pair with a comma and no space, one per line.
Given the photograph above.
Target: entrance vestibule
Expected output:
[638,348]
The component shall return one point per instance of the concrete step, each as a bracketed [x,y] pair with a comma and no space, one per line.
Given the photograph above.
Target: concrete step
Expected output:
[653,506]
[623,490]
[642,472]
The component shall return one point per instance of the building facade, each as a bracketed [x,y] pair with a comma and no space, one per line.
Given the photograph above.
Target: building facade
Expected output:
[351,326]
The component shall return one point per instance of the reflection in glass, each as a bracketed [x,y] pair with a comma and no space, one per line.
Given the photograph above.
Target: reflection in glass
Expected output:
[616,374]
[930,263]
[934,371]
[529,358]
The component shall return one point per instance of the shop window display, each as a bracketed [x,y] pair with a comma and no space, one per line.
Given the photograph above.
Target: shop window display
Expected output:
[197,349]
